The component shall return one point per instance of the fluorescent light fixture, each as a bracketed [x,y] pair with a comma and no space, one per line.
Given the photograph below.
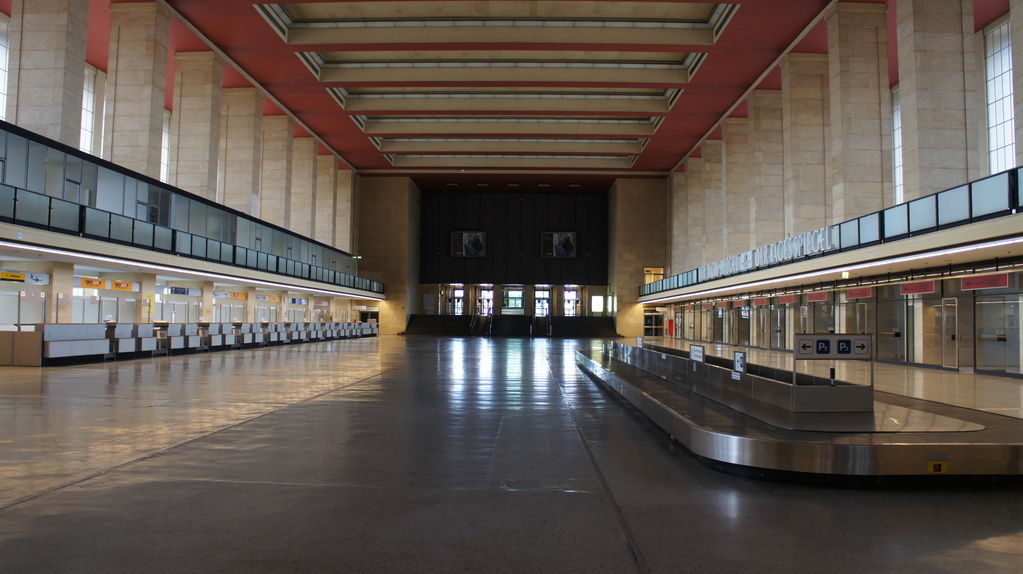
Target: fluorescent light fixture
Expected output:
[844,269]
[179,270]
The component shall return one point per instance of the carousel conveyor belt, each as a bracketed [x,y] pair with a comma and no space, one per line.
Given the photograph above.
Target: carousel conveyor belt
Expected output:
[912,441]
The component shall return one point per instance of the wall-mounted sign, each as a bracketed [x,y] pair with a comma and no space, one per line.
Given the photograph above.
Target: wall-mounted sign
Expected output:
[296,301]
[761,301]
[268,298]
[321,303]
[468,244]
[859,293]
[186,291]
[985,282]
[558,244]
[786,299]
[817,296]
[25,277]
[125,286]
[804,245]
[917,288]
[724,304]
[92,283]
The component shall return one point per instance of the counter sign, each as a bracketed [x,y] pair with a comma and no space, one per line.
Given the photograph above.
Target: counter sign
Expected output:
[811,347]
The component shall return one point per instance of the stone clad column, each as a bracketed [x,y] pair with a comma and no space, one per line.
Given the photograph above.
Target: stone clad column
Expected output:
[767,181]
[714,221]
[738,191]
[696,241]
[861,109]
[195,122]
[937,90]
[637,239]
[303,186]
[806,119]
[136,85]
[46,67]
[326,191]
[275,174]
[1016,40]
[388,236]
[242,138]
[677,224]
[344,207]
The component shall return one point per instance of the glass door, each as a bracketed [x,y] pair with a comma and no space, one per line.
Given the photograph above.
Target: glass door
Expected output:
[949,334]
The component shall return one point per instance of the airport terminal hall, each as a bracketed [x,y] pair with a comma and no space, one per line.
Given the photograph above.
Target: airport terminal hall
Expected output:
[511,286]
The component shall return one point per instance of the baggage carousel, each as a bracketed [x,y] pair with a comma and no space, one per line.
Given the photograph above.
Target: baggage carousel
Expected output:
[902,441]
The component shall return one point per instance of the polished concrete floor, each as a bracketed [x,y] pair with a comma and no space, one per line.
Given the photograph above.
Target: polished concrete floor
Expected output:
[407,454]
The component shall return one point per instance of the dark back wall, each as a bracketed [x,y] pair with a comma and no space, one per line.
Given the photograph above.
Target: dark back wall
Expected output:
[513,223]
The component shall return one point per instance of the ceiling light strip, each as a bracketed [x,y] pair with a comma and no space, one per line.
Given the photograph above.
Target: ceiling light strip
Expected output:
[845,268]
[179,270]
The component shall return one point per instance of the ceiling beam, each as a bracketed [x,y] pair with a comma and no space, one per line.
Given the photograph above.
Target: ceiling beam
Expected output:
[667,37]
[667,78]
[511,162]
[512,147]
[510,106]
[451,128]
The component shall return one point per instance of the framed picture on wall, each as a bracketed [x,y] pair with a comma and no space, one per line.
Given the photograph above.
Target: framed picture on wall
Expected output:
[558,244]
[468,244]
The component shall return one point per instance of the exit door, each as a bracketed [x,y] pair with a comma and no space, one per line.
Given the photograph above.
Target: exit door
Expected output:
[949,334]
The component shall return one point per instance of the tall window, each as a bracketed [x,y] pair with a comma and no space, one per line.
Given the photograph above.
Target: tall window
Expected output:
[5,28]
[88,111]
[897,145]
[1000,114]
[165,149]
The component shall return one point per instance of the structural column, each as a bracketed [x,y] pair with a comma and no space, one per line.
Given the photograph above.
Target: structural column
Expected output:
[326,190]
[861,108]
[715,223]
[46,64]
[767,180]
[1016,40]
[696,241]
[677,221]
[806,120]
[738,191]
[303,186]
[136,85]
[242,147]
[938,94]
[275,173]
[195,122]
[388,240]
[637,239]
[344,207]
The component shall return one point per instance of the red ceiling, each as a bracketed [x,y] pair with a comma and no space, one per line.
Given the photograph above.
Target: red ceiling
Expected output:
[758,33]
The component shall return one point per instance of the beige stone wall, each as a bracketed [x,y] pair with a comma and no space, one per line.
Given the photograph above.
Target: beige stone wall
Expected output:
[738,191]
[677,221]
[136,86]
[195,122]
[343,211]
[715,222]
[302,207]
[637,238]
[1016,31]
[326,192]
[806,120]
[767,181]
[696,241]
[388,241]
[46,64]
[242,148]
[861,109]
[275,170]
[938,95]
